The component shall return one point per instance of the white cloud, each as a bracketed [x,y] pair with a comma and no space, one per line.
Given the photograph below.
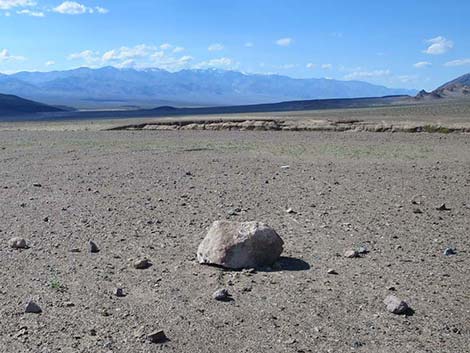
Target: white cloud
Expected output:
[367,74]
[327,66]
[215,47]
[311,66]
[126,53]
[459,62]
[166,46]
[284,42]
[285,66]
[6,56]
[75,8]
[139,57]
[50,63]
[337,34]
[439,45]
[407,78]
[101,10]
[422,64]
[31,13]
[171,63]
[249,45]
[72,8]
[89,56]
[221,63]
[10,4]
[178,49]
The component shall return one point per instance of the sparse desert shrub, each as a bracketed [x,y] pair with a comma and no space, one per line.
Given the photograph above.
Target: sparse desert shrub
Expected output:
[436,129]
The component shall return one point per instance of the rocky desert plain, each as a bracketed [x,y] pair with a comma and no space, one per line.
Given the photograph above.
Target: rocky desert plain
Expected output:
[363,216]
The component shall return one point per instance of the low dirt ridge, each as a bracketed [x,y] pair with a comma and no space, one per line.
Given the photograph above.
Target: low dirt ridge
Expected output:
[302,125]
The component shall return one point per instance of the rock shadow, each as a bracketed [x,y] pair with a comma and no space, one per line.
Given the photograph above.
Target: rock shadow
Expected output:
[409,312]
[283,264]
[287,264]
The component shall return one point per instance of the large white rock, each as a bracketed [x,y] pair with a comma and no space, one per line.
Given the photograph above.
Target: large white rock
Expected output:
[238,245]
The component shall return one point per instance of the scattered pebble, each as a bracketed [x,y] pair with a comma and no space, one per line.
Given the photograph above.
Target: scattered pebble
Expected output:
[18,243]
[285,167]
[351,254]
[92,247]
[443,207]
[248,271]
[332,272]
[119,292]
[37,185]
[362,250]
[32,308]
[417,211]
[290,211]
[396,305]
[142,264]
[450,252]
[157,337]
[234,212]
[221,295]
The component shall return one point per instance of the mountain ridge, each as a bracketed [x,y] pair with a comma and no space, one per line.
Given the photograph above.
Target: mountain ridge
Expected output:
[456,88]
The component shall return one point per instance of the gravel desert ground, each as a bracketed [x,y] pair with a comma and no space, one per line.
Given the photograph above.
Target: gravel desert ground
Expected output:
[153,194]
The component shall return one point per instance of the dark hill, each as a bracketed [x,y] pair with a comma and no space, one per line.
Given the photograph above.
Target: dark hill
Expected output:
[15,106]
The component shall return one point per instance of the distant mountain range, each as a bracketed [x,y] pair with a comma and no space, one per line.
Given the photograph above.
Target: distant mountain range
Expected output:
[110,87]
[14,106]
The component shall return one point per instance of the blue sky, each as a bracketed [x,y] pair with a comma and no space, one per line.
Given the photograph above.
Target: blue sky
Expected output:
[410,44]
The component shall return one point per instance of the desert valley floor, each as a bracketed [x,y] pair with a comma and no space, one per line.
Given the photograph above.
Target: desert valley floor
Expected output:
[154,194]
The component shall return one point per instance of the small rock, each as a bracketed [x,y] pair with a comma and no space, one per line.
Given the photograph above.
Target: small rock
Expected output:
[248,271]
[362,250]
[290,211]
[119,292]
[92,247]
[284,167]
[142,264]
[17,243]
[357,344]
[450,252]
[37,185]
[46,219]
[157,337]
[351,254]
[221,295]
[417,211]
[69,304]
[22,332]
[32,308]
[332,272]
[233,213]
[396,305]
[443,207]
